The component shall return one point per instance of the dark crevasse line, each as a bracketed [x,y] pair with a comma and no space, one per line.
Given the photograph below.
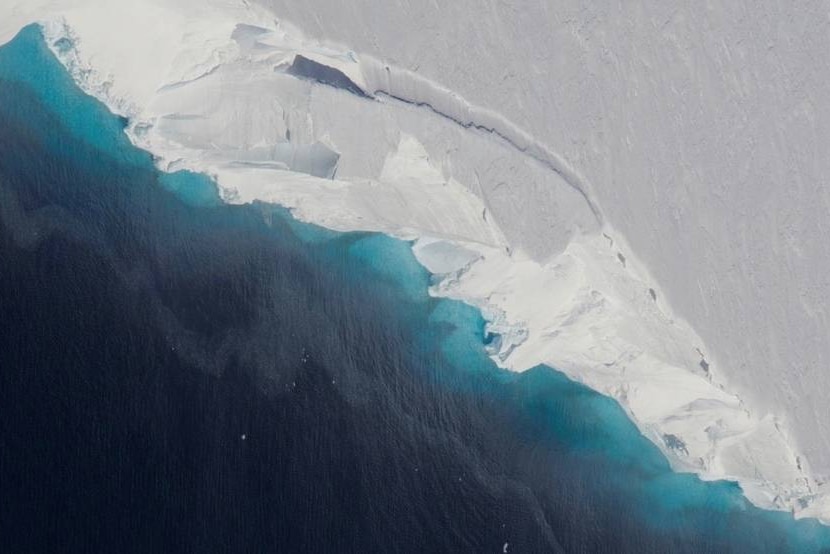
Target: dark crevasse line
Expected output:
[305,68]
[179,375]
[569,177]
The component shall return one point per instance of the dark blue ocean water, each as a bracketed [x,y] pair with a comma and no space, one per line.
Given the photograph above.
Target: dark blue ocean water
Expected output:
[178,375]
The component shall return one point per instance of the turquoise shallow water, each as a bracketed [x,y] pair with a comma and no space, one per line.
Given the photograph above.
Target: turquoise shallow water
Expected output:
[149,327]
[88,121]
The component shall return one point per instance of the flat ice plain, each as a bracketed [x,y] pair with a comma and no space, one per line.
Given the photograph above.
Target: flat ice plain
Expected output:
[633,198]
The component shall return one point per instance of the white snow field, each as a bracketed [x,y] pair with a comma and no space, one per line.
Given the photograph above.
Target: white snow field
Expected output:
[631,193]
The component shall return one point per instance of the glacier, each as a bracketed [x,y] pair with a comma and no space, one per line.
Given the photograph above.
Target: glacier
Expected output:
[600,216]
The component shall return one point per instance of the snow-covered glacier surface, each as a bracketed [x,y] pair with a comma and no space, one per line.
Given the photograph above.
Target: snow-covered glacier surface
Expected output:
[615,191]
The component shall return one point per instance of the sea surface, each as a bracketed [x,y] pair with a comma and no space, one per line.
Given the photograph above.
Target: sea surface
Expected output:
[180,375]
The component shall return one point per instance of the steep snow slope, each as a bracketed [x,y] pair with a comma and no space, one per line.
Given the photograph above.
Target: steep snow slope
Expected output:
[703,129]
[511,225]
